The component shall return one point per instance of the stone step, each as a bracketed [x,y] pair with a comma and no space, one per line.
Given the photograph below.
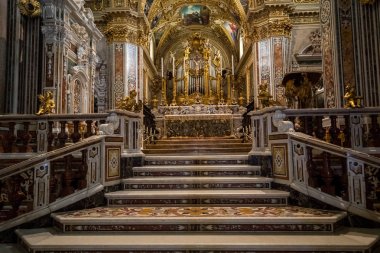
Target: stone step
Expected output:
[197,197]
[198,145]
[197,170]
[196,159]
[198,150]
[189,140]
[52,240]
[197,182]
[200,218]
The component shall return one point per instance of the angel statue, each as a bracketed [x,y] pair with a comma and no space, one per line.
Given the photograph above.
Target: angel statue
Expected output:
[129,103]
[47,104]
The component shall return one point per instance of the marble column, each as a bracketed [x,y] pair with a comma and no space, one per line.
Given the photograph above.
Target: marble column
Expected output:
[126,71]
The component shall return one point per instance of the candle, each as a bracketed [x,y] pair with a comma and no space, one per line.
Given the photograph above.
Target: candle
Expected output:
[221,63]
[173,65]
[233,70]
[162,67]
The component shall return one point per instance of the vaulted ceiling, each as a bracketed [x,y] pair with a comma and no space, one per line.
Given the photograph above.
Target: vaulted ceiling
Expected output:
[174,21]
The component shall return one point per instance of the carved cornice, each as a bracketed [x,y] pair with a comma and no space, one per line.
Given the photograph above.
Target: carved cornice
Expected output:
[125,26]
[311,17]
[273,28]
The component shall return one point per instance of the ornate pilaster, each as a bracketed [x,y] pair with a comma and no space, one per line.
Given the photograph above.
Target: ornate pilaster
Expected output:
[328,49]
[125,28]
[69,60]
[271,40]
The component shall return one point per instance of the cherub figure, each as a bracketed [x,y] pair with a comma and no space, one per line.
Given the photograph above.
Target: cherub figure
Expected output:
[352,101]
[129,103]
[47,104]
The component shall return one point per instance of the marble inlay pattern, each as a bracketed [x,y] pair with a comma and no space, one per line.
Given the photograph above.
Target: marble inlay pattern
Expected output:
[198,186]
[206,201]
[265,211]
[195,173]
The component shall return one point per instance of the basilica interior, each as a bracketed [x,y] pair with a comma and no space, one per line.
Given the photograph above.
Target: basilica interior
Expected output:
[189,126]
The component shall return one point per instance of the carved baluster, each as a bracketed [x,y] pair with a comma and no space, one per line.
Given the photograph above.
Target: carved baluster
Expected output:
[10,138]
[308,125]
[26,137]
[312,170]
[334,131]
[62,136]
[327,175]
[75,136]
[318,130]
[67,177]
[346,131]
[88,129]
[50,135]
[83,171]
[374,132]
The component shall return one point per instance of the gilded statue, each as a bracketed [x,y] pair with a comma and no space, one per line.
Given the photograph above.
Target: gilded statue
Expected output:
[129,103]
[217,59]
[352,101]
[264,95]
[299,89]
[47,104]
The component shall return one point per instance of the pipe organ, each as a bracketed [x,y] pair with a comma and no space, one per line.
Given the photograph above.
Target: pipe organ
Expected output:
[197,76]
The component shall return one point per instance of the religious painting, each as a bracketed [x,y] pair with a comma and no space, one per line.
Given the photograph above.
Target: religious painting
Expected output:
[232,29]
[155,21]
[148,4]
[195,15]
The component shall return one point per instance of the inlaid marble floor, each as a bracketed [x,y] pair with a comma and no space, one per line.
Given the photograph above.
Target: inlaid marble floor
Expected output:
[285,211]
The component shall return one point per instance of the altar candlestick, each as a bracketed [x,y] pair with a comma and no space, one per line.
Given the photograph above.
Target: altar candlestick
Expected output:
[221,64]
[173,65]
[233,69]
[162,67]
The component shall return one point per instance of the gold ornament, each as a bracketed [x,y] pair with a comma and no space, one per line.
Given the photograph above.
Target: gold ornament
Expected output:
[129,103]
[30,8]
[47,104]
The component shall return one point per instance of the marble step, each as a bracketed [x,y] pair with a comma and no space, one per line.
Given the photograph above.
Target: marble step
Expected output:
[197,182]
[52,240]
[196,159]
[198,150]
[189,140]
[198,145]
[196,170]
[198,197]
[200,218]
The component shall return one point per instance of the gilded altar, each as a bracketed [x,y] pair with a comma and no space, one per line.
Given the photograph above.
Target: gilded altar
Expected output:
[199,120]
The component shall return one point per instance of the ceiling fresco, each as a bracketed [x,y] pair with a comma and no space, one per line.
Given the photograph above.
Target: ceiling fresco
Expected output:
[172,22]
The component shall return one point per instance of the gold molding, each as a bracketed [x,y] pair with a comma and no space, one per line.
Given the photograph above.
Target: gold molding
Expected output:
[367,1]
[30,8]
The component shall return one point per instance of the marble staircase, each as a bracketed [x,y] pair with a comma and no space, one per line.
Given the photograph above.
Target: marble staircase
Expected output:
[198,203]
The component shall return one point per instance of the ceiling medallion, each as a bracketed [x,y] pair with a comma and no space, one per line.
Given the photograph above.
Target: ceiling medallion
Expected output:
[30,8]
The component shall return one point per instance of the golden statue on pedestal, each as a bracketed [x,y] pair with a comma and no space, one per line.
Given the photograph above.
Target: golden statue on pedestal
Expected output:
[47,104]
[264,96]
[129,103]
[352,101]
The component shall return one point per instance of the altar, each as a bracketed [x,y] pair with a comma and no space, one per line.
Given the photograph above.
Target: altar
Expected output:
[199,120]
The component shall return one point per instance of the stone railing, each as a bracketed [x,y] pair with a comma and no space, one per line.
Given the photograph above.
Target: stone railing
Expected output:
[343,177]
[37,134]
[53,180]
[357,129]
[23,134]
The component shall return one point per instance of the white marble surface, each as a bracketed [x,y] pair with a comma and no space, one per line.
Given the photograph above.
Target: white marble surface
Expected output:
[347,239]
